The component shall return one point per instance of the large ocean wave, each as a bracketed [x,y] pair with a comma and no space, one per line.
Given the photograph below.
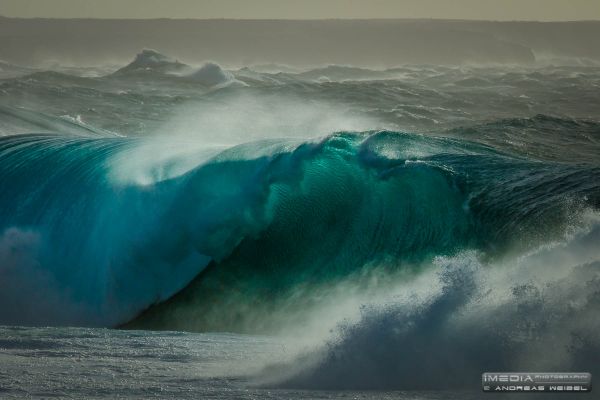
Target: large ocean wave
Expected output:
[256,223]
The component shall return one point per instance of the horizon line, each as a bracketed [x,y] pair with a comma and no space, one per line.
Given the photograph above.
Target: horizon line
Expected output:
[300,19]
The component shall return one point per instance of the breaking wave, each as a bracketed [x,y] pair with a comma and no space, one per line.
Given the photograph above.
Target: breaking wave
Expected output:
[256,221]
[533,313]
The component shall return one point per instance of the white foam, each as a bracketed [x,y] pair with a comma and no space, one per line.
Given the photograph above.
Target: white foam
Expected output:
[535,312]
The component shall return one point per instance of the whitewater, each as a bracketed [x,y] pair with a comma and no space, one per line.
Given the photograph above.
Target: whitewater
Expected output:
[179,231]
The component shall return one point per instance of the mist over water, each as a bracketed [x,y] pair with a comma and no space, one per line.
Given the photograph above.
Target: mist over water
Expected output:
[353,228]
[535,313]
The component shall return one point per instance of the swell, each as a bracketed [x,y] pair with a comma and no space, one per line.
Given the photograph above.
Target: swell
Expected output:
[269,219]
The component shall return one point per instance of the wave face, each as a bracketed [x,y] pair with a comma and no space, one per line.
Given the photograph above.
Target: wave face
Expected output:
[357,202]
[69,235]
[270,216]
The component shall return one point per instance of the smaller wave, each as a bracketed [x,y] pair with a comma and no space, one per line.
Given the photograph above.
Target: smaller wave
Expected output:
[17,120]
[8,70]
[343,72]
[149,61]
[211,74]
[543,137]
[152,63]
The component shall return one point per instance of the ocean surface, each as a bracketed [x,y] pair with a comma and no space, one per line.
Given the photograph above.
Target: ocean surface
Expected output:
[86,363]
[179,231]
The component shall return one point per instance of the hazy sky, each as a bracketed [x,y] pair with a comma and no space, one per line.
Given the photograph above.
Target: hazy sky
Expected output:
[541,10]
